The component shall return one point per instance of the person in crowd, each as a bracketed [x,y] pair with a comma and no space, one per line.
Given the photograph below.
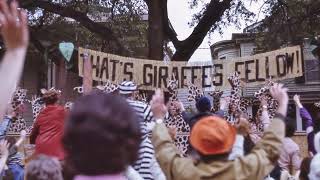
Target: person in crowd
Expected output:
[48,127]
[146,165]
[238,150]
[7,120]
[307,119]
[101,140]
[203,106]
[290,159]
[43,167]
[16,38]
[255,134]
[213,138]
[305,168]
[15,159]
[4,153]
[314,173]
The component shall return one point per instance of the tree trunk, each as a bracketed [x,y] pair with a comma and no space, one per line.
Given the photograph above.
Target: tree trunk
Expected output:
[155,29]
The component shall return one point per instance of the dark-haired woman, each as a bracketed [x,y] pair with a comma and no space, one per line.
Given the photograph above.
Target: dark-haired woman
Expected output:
[48,128]
[101,140]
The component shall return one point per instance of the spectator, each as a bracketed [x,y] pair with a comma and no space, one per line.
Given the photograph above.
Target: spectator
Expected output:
[314,173]
[15,159]
[204,107]
[4,152]
[305,168]
[315,168]
[7,120]
[48,127]
[44,168]
[290,151]
[238,149]
[16,38]
[307,119]
[146,165]
[100,138]
[213,138]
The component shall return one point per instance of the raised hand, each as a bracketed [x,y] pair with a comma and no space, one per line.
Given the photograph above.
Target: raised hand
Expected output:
[279,93]
[263,101]
[14,26]
[224,103]
[242,126]
[4,148]
[158,107]
[296,99]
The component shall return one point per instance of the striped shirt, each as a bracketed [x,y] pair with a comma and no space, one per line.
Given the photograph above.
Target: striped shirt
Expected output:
[146,156]
[143,110]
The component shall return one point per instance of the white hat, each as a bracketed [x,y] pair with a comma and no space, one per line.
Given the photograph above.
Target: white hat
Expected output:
[314,173]
[127,87]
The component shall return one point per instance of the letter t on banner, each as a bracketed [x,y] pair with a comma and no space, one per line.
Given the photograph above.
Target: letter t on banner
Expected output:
[87,73]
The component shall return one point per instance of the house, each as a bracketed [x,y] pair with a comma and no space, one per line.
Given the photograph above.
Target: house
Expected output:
[308,86]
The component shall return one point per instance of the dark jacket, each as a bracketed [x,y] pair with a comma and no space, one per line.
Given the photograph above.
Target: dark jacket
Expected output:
[191,118]
[48,130]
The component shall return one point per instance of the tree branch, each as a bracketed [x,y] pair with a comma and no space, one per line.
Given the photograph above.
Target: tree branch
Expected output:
[103,31]
[212,15]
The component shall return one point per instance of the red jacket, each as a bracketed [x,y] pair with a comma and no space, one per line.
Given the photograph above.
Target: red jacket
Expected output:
[48,130]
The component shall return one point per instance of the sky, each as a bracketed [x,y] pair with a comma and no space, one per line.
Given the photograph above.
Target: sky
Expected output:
[180,14]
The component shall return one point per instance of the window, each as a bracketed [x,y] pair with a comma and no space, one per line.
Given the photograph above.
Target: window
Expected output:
[312,70]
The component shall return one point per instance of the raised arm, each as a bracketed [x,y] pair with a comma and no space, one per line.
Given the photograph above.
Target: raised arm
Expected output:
[265,119]
[4,151]
[15,36]
[305,115]
[173,165]
[265,154]
[224,104]
[307,119]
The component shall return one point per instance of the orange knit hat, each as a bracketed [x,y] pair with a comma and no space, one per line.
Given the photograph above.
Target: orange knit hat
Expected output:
[212,135]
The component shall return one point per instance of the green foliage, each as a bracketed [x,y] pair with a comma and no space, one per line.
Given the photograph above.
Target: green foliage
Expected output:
[288,22]
[123,17]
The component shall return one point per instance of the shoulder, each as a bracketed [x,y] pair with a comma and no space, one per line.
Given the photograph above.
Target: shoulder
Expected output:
[137,104]
[290,144]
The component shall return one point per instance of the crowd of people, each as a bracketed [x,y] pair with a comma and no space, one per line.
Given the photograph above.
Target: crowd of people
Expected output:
[115,137]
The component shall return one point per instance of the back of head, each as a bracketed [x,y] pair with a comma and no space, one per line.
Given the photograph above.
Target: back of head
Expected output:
[51,97]
[305,168]
[43,168]
[102,135]
[290,127]
[314,173]
[203,104]
[127,88]
[212,135]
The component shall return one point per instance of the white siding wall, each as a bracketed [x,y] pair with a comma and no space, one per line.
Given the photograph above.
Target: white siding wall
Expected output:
[247,49]
[229,53]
